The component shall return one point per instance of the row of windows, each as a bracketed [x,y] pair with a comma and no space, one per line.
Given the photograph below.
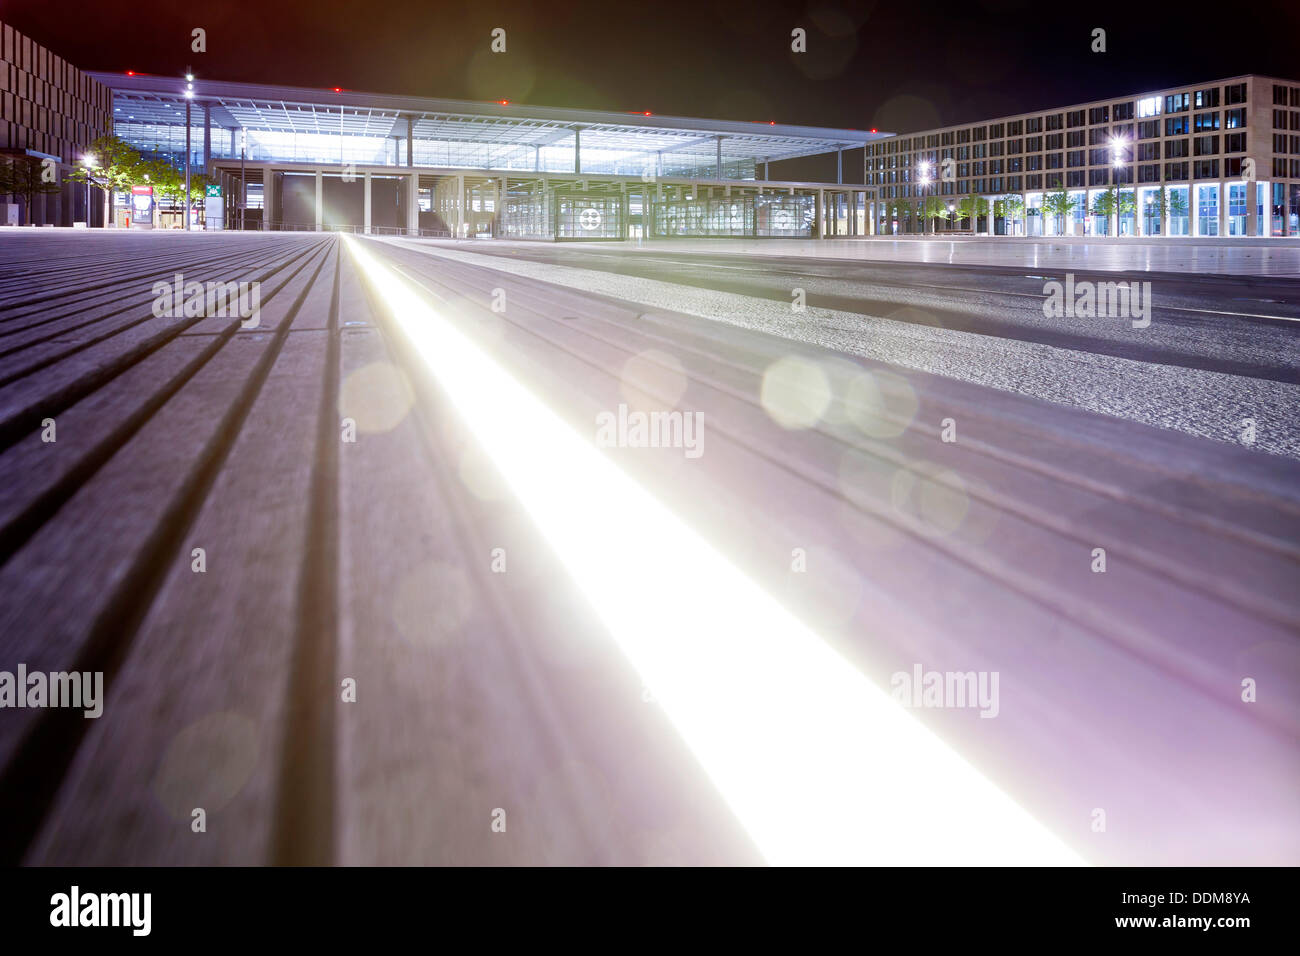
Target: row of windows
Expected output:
[1103,156]
[1209,98]
[1173,172]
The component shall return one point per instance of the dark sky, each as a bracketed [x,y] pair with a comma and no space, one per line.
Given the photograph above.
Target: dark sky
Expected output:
[899,65]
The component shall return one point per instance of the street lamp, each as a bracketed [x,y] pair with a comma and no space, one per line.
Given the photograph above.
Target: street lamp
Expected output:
[189,98]
[89,162]
[925,181]
[243,189]
[1117,144]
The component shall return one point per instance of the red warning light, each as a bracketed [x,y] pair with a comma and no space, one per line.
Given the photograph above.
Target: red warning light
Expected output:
[873,129]
[338,89]
[504,102]
[771,122]
[130,72]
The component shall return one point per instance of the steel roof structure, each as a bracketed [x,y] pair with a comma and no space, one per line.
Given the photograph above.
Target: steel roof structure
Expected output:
[357,127]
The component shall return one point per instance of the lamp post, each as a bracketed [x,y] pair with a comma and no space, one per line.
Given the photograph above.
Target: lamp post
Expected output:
[243,188]
[1117,145]
[925,181]
[89,162]
[189,99]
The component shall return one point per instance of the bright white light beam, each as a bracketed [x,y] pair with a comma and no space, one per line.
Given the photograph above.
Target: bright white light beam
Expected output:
[819,765]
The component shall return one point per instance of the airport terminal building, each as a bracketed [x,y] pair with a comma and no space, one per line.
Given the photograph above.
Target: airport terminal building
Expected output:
[337,159]
[1227,152]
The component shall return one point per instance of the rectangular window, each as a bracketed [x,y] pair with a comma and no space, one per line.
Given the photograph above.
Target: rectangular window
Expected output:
[1279,143]
[1123,111]
[1149,174]
[1205,146]
[1148,129]
[1148,151]
[1176,102]
[1074,118]
[981,133]
[1098,177]
[1074,138]
[1234,143]
[1074,177]
[1055,121]
[1176,126]
[1055,160]
[1279,119]
[1207,97]
[1098,114]
[1204,122]
[1236,93]
[1234,119]
[996,131]
[1175,148]
[1074,158]
[1016,128]
[1279,97]
[1034,144]
[1175,171]
[1206,169]
[1055,140]
[1149,106]
[1099,157]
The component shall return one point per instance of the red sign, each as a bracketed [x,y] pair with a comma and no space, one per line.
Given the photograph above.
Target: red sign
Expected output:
[142,190]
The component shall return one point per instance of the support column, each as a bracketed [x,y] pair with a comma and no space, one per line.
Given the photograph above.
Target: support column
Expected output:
[460,205]
[413,204]
[268,197]
[839,166]
[366,220]
[1253,225]
[719,161]
[320,199]
[410,141]
[1223,208]
[537,159]
[1164,206]
[577,150]
[820,215]
[207,138]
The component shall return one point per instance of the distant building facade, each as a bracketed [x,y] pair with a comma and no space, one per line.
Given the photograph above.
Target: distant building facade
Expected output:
[50,110]
[1226,151]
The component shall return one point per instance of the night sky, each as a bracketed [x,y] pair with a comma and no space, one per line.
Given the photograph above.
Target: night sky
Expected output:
[895,65]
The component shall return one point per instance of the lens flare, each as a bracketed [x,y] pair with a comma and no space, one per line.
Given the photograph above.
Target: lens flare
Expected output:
[818,764]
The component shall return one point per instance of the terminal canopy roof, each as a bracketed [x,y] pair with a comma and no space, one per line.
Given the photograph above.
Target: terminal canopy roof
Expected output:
[290,124]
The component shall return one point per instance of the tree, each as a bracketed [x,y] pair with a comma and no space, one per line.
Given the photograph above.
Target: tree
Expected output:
[1111,203]
[1011,206]
[114,167]
[1059,203]
[1168,204]
[971,207]
[934,207]
[27,177]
